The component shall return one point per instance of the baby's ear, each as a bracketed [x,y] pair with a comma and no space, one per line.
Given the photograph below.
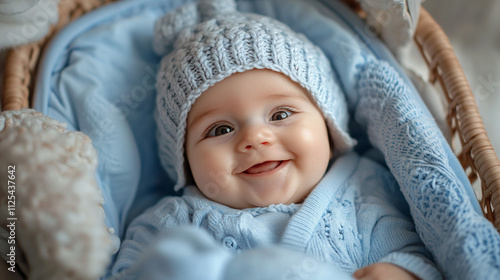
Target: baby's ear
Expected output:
[168,27]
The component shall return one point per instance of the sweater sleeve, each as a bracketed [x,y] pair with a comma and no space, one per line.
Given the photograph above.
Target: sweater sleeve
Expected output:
[395,238]
[144,230]
[181,252]
[387,230]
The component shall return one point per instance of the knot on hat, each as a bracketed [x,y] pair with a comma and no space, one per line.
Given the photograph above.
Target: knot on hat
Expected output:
[210,8]
[168,28]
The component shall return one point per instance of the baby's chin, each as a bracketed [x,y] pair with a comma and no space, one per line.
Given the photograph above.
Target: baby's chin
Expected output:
[256,199]
[243,204]
[284,200]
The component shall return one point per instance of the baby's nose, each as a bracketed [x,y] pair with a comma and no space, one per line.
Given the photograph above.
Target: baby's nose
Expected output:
[256,137]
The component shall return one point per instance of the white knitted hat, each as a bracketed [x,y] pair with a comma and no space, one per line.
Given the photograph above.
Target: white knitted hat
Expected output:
[207,42]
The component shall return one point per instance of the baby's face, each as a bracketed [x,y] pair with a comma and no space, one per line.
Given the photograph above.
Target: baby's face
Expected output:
[256,139]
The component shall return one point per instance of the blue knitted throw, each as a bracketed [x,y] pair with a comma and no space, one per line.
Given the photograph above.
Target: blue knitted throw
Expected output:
[465,245]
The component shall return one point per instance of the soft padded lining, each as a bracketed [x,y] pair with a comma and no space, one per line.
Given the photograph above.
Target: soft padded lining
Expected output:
[98,76]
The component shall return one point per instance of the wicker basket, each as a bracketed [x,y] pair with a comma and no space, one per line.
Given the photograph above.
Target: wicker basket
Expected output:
[474,149]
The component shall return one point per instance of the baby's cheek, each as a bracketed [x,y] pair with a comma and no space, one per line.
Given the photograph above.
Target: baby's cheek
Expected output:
[314,149]
[314,139]
[308,136]
[212,170]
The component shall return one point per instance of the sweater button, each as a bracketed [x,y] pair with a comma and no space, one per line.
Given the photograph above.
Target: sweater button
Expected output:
[230,243]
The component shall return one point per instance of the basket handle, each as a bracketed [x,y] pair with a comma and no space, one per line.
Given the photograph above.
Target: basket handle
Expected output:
[21,62]
[464,119]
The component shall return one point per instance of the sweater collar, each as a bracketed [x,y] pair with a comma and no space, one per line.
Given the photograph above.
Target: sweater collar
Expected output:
[302,225]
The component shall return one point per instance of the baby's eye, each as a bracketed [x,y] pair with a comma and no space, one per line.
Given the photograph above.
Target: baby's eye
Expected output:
[219,130]
[281,115]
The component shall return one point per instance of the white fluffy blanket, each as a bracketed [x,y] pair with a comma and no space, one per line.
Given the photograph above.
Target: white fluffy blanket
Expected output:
[51,214]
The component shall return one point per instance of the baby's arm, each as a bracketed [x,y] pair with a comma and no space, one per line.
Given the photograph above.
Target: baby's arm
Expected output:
[383,271]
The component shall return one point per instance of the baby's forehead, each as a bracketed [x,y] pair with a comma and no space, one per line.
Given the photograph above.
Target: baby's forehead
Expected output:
[265,83]
[248,96]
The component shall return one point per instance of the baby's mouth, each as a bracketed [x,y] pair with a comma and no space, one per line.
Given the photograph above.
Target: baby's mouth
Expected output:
[263,167]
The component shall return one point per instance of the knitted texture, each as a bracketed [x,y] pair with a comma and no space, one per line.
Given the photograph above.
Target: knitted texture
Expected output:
[465,244]
[226,42]
[354,217]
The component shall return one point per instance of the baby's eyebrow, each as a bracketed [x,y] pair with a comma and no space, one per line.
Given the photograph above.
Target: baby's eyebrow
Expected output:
[200,117]
[288,94]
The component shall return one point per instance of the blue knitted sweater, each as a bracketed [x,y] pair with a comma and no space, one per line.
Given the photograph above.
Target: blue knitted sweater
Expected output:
[354,217]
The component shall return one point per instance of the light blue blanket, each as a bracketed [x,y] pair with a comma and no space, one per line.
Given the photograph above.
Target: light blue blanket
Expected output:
[464,244]
[98,76]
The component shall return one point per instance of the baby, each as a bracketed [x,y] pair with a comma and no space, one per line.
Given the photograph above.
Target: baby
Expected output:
[253,128]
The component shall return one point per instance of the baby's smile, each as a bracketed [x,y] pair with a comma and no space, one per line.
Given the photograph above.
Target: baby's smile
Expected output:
[265,168]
